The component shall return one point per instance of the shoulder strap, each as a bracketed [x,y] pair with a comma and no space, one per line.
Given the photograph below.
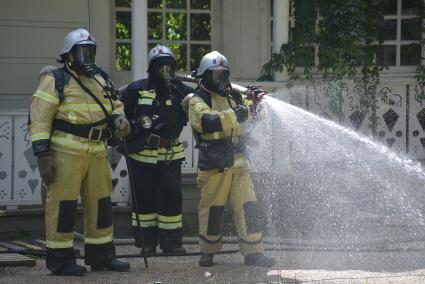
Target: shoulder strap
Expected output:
[203,95]
[90,93]
[61,79]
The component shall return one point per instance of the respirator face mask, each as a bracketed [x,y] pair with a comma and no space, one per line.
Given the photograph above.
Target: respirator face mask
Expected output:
[166,72]
[83,59]
[219,80]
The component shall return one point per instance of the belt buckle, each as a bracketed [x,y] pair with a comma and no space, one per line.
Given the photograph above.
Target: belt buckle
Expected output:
[153,141]
[91,131]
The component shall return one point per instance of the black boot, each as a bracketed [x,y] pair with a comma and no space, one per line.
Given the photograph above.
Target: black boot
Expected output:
[175,251]
[259,259]
[71,269]
[111,265]
[206,259]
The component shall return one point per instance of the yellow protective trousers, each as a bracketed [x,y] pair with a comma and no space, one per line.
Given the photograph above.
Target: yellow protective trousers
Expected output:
[86,174]
[218,186]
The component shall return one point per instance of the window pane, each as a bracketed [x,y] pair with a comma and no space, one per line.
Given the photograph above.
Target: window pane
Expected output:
[123,56]
[389,30]
[200,4]
[409,7]
[200,26]
[122,3]
[175,4]
[123,25]
[154,25]
[197,51]
[155,4]
[410,54]
[180,53]
[306,57]
[176,26]
[410,29]
[390,7]
[386,55]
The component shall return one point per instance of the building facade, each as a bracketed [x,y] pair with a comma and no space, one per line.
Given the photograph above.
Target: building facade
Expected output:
[246,31]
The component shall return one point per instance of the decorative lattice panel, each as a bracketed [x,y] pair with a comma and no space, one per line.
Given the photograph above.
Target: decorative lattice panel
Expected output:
[6,128]
[27,180]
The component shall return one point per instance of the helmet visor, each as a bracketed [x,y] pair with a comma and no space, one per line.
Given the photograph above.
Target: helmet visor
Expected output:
[220,77]
[84,54]
[166,72]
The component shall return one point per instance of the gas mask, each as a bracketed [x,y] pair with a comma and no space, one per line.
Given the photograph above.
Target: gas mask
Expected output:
[166,72]
[82,59]
[218,81]
[163,70]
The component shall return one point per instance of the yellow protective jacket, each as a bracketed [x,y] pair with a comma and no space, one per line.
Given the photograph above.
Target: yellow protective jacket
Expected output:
[219,136]
[76,107]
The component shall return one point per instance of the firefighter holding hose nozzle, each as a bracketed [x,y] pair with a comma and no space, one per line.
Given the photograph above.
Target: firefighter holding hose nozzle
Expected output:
[217,114]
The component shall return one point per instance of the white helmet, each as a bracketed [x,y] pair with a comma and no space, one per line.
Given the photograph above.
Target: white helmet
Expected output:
[212,61]
[79,36]
[157,52]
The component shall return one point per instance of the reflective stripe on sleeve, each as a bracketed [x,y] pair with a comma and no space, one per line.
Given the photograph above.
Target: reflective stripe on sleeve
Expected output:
[47,97]
[40,136]
[116,112]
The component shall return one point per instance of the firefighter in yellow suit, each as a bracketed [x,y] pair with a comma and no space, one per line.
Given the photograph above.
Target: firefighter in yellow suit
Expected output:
[217,115]
[68,132]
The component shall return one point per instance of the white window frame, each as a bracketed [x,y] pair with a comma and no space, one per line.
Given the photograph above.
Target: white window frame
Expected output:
[392,70]
[163,40]
[117,40]
[187,41]
[398,68]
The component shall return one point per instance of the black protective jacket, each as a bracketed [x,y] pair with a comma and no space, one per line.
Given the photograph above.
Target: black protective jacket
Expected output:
[161,105]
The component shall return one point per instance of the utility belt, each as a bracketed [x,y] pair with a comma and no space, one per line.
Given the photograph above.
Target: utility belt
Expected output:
[218,154]
[156,141]
[88,131]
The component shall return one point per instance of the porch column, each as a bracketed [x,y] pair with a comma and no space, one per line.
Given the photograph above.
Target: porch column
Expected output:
[280,31]
[139,35]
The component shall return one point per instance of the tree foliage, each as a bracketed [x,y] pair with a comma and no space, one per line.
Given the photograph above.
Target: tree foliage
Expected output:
[346,32]
[347,36]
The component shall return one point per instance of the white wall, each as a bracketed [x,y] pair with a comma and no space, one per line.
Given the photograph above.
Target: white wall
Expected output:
[246,36]
[32,34]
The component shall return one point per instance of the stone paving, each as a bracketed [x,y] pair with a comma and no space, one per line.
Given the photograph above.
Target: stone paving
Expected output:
[294,266]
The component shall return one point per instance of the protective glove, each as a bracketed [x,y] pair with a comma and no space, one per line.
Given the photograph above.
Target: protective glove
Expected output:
[185,103]
[46,167]
[241,112]
[122,126]
[255,93]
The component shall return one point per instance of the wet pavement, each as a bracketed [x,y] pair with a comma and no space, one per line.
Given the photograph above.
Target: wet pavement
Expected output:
[295,264]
